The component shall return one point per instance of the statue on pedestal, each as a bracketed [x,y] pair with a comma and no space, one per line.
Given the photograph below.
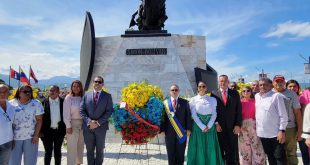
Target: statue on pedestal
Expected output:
[151,15]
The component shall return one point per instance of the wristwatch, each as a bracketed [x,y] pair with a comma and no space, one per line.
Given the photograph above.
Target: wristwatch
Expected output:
[282,130]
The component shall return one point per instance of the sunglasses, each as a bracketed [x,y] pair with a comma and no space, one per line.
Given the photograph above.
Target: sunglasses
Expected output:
[26,92]
[202,86]
[246,91]
[98,82]
[174,90]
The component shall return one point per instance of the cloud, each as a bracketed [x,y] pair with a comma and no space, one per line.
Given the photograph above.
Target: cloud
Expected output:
[44,64]
[219,27]
[273,45]
[289,28]
[64,31]
[229,66]
[51,45]
[9,20]
[214,45]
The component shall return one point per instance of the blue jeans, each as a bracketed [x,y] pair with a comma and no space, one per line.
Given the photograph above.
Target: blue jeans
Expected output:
[5,153]
[304,151]
[29,150]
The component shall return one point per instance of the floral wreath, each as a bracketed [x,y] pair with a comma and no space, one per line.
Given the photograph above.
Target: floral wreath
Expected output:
[139,121]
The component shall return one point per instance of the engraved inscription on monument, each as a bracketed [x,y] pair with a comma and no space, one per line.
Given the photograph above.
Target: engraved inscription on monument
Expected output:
[150,51]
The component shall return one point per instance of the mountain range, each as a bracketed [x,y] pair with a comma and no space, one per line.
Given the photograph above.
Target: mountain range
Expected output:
[61,81]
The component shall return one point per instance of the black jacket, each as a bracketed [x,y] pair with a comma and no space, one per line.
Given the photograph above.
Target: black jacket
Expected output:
[230,115]
[47,118]
[183,114]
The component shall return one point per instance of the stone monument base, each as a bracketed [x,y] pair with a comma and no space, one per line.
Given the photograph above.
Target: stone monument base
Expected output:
[161,61]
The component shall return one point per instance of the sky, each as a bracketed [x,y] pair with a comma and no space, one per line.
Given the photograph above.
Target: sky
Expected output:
[242,37]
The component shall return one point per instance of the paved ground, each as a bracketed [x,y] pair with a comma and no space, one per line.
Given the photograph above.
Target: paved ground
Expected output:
[118,154]
[128,155]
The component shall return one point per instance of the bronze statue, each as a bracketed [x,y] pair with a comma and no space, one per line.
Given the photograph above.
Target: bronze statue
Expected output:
[151,15]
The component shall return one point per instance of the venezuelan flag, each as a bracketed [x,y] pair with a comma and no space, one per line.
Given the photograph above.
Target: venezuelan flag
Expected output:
[23,77]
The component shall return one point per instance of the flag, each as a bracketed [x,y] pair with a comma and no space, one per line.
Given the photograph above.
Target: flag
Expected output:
[32,75]
[23,77]
[14,74]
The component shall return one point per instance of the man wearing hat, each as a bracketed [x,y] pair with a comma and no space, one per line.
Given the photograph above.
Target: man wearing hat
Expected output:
[294,127]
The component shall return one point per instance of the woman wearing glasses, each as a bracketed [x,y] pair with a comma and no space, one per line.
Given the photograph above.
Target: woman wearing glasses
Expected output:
[6,129]
[73,121]
[203,146]
[250,146]
[27,125]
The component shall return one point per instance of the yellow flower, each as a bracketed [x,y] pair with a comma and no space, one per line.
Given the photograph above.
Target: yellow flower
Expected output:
[136,95]
[241,85]
[35,93]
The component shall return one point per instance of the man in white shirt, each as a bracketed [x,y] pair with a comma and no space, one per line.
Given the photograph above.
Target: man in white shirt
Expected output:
[6,128]
[53,127]
[271,122]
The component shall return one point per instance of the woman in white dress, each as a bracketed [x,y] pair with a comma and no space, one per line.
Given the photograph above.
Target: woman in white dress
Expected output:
[203,146]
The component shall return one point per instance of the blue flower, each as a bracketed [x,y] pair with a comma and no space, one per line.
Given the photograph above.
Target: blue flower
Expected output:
[155,110]
[119,116]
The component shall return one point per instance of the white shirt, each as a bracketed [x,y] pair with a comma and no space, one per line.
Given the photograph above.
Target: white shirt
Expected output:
[226,90]
[25,118]
[6,123]
[306,123]
[203,105]
[95,92]
[271,115]
[55,112]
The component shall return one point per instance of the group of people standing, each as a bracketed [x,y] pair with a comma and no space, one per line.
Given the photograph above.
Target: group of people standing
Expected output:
[82,118]
[264,121]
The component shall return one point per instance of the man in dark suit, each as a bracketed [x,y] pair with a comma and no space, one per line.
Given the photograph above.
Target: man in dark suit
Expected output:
[53,128]
[96,108]
[228,120]
[180,109]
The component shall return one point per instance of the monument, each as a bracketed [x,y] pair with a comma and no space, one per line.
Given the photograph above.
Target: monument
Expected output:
[148,54]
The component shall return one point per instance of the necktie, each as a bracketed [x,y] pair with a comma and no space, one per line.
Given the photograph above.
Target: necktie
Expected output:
[96,98]
[224,97]
[174,104]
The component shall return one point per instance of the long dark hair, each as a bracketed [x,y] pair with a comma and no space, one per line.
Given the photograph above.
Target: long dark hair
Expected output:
[295,82]
[204,84]
[81,93]
[23,88]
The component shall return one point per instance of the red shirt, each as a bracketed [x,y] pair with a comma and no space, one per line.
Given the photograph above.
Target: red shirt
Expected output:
[248,108]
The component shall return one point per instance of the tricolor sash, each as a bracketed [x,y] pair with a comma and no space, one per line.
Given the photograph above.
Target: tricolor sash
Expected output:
[140,118]
[181,135]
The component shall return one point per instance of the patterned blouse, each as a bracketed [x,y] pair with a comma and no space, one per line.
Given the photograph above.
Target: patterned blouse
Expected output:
[25,118]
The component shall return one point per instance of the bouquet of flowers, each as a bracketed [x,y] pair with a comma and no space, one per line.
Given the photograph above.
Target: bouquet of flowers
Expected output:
[140,119]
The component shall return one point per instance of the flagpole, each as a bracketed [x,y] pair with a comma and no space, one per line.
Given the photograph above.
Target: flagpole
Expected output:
[10,77]
[19,76]
[29,74]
